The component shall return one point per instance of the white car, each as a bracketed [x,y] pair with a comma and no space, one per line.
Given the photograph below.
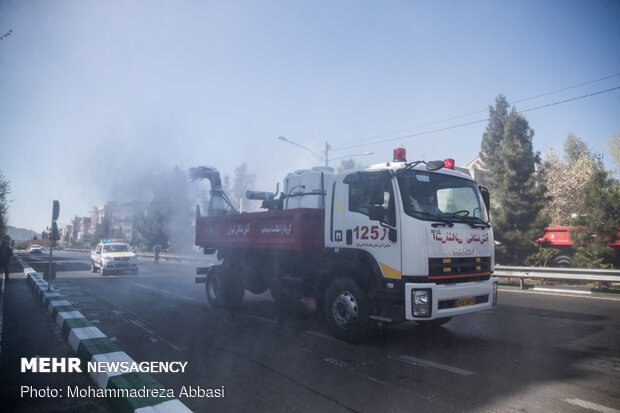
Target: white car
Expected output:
[113,255]
[35,249]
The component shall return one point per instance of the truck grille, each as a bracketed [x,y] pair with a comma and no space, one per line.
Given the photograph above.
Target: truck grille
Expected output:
[456,270]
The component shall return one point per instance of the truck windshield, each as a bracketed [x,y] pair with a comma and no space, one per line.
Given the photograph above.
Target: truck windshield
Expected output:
[433,196]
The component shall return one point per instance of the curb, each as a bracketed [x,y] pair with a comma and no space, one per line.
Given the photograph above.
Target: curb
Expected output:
[92,345]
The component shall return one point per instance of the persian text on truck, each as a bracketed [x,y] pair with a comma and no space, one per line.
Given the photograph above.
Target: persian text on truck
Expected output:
[389,243]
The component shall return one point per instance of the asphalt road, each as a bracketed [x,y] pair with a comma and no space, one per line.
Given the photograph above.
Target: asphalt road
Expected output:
[534,353]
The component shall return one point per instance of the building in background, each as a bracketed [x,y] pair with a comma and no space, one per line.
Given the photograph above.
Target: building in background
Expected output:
[115,220]
[67,235]
[476,168]
[80,230]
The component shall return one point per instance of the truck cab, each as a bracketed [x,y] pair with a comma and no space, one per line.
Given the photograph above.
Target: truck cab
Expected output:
[426,226]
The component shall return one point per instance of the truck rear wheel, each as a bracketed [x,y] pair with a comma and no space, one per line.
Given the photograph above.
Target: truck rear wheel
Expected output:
[346,310]
[562,261]
[222,289]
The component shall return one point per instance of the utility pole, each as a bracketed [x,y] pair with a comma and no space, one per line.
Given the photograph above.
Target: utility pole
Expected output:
[327,148]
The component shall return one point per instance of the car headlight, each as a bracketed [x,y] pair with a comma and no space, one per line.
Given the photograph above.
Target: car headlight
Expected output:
[420,297]
[421,303]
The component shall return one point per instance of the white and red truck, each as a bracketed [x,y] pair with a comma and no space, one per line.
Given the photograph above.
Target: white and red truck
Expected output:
[393,242]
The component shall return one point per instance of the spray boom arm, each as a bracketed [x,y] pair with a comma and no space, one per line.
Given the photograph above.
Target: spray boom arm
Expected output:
[219,204]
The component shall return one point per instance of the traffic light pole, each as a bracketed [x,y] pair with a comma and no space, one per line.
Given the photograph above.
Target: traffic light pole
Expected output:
[55,213]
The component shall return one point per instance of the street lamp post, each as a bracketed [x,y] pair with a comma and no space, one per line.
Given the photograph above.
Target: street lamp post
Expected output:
[324,160]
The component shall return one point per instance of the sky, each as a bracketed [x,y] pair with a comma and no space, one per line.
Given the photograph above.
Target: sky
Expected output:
[98,96]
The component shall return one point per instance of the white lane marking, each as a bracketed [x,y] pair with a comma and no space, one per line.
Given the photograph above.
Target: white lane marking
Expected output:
[335,362]
[325,336]
[143,326]
[376,380]
[592,406]
[159,290]
[428,363]
[590,297]
[259,318]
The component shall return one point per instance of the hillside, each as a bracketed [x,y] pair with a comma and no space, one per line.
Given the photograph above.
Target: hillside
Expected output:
[20,234]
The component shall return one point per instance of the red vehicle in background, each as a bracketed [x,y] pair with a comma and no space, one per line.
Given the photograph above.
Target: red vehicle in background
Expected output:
[559,238]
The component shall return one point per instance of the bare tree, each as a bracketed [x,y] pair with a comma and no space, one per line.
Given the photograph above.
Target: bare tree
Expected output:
[567,177]
[5,190]
[613,147]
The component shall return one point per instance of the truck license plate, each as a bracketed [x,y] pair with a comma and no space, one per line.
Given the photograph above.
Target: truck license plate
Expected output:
[463,302]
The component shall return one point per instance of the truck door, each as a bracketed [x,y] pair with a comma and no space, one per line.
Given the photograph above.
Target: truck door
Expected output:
[371,219]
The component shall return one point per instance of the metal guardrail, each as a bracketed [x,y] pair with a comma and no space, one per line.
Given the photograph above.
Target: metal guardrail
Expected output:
[575,274]
[162,256]
[554,273]
[176,257]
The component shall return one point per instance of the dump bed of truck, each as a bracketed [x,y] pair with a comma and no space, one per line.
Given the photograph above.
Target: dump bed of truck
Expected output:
[300,229]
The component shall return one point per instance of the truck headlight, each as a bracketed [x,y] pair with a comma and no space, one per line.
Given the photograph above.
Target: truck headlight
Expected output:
[422,302]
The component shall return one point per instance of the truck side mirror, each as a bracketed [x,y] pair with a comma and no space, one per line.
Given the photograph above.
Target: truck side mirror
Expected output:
[392,235]
[486,197]
[376,213]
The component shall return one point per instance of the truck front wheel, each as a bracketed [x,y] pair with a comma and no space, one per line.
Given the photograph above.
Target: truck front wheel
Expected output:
[346,310]
[93,268]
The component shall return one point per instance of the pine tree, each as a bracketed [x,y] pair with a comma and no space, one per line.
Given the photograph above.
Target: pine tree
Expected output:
[517,190]
[492,139]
